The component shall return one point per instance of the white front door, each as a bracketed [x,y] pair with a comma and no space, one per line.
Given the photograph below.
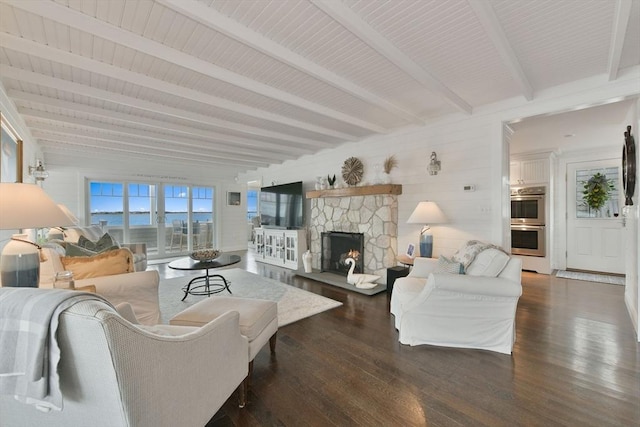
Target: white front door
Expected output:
[594,237]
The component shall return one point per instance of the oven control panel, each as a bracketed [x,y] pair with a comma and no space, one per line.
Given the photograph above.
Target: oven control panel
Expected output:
[527,191]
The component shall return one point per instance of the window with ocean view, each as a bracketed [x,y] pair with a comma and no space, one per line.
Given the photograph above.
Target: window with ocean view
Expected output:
[252,204]
[148,213]
[142,204]
[107,202]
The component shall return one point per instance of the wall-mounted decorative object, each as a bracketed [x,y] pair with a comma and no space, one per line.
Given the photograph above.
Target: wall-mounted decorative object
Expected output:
[38,172]
[352,171]
[434,164]
[10,153]
[233,198]
[596,191]
[629,167]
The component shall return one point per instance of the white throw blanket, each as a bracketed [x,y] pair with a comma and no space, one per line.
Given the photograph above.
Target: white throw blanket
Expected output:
[29,352]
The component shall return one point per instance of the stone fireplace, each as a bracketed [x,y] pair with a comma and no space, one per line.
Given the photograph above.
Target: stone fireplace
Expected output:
[369,210]
[337,246]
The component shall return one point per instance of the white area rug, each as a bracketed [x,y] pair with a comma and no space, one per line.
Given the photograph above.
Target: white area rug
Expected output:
[590,277]
[293,303]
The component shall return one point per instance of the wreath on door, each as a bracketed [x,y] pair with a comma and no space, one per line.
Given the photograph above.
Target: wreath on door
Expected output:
[597,191]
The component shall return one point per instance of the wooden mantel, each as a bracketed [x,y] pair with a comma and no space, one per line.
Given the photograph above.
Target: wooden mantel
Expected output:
[366,190]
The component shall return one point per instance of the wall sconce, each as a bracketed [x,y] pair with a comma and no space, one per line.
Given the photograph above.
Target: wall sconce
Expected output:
[434,164]
[38,171]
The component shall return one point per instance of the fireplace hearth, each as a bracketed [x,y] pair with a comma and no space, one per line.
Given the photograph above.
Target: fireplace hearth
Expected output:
[337,246]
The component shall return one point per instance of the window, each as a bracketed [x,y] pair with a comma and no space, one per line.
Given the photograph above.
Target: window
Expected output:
[145,213]
[106,203]
[611,207]
[252,204]
[142,204]
[202,204]
[176,204]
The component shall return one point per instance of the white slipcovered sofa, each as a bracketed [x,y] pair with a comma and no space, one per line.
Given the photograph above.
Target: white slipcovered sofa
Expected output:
[475,309]
[94,233]
[114,373]
[140,288]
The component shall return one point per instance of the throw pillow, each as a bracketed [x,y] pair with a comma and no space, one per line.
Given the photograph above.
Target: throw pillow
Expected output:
[117,261]
[489,262]
[73,250]
[467,253]
[106,242]
[125,310]
[83,242]
[447,265]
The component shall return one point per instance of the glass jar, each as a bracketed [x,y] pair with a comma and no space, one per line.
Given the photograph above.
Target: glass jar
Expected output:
[64,280]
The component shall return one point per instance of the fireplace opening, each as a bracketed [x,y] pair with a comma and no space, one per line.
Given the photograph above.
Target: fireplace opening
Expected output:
[337,246]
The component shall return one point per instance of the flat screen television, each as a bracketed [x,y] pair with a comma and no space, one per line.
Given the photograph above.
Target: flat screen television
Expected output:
[282,206]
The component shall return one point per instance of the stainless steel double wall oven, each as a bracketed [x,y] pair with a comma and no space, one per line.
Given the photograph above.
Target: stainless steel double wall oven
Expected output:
[528,221]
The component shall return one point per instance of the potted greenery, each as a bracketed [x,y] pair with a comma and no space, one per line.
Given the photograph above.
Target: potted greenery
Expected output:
[597,191]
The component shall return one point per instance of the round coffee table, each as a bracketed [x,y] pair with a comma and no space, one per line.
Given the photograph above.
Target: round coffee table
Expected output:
[207,287]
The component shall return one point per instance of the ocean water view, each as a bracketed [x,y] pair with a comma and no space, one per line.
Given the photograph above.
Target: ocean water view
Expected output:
[144,218]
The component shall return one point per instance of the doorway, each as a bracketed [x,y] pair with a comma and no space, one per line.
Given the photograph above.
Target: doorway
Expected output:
[595,240]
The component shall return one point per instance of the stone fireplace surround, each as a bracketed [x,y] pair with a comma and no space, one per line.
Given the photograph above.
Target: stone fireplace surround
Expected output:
[374,215]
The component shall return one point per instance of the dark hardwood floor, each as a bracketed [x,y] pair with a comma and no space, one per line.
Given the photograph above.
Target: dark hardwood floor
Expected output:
[576,362]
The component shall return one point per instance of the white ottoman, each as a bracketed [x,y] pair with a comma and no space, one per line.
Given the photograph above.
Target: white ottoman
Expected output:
[258,323]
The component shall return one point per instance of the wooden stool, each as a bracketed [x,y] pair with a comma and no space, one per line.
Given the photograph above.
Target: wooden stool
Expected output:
[258,323]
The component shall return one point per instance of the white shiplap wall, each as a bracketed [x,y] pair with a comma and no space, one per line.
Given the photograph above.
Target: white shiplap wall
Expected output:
[463,147]
[470,148]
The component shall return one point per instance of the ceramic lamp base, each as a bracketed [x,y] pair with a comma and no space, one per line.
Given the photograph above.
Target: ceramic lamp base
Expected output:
[20,264]
[426,245]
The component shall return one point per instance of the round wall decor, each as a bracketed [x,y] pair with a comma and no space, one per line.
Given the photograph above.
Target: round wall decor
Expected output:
[352,171]
[629,167]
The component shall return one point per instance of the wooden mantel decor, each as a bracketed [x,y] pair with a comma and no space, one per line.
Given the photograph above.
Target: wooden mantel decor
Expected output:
[365,190]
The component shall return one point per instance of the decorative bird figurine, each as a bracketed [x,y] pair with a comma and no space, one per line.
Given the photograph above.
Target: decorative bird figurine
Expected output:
[361,281]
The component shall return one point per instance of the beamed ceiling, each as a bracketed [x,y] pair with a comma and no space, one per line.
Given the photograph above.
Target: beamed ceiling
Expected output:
[236,85]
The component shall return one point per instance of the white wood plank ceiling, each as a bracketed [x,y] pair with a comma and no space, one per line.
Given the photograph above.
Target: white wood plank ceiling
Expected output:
[235,85]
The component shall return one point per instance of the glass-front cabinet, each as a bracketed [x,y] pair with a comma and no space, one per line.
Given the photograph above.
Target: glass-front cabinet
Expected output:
[280,247]
[291,249]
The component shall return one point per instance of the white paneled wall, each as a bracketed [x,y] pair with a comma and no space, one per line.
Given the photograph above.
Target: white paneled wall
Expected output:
[469,147]
[463,147]
[232,226]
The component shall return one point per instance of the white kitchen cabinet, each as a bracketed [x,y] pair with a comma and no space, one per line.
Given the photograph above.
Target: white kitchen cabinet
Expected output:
[525,172]
[280,247]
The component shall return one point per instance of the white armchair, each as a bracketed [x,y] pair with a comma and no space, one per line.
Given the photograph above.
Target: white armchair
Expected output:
[115,373]
[459,310]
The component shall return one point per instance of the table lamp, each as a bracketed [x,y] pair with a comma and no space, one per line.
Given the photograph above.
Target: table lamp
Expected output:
[426,213]
[25,206]
[57,232]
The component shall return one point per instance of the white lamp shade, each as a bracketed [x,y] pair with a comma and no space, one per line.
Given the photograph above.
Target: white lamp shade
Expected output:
[28,206]
[427,213]
[74,219]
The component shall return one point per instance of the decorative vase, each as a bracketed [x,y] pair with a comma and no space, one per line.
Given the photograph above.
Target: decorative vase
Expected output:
[306,261]
[20,263]
[324,184]
[386,178]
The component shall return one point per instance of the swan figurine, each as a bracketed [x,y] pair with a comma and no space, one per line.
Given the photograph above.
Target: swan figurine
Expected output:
[361,281]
